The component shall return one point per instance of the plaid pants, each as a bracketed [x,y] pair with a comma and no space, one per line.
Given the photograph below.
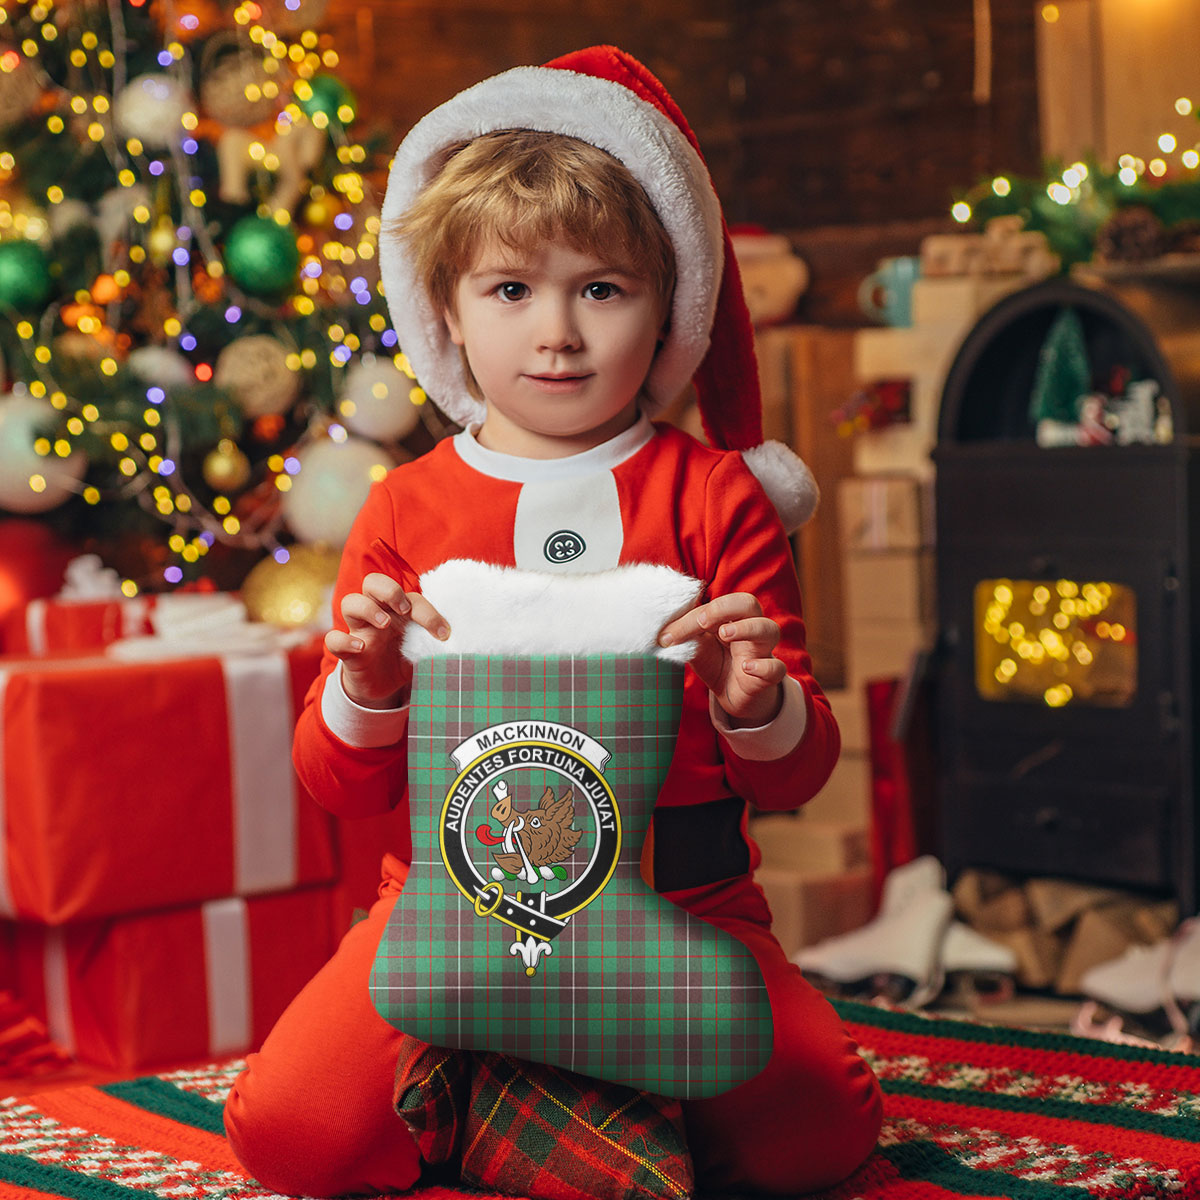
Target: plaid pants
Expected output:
[528,1129]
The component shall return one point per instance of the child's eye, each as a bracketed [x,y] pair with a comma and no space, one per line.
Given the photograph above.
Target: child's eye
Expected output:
[601,291]
[512,291]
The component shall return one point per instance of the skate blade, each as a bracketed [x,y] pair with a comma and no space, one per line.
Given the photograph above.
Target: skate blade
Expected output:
[982,987]
[1107,1024]
[896,989]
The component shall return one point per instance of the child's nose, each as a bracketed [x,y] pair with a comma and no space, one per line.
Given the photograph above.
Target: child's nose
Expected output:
[558,329]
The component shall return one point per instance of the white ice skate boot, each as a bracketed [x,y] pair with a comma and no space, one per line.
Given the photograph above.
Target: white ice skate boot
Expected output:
[978,965]
[898,953]
[1134,982]
[1158,986]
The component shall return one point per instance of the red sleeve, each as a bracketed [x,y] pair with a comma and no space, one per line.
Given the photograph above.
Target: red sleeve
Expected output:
[748,551]
[348,780]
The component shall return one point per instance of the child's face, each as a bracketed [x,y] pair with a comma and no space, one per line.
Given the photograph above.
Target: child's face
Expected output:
[559,342]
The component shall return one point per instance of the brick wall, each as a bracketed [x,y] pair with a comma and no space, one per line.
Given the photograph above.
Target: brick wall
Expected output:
[810,113]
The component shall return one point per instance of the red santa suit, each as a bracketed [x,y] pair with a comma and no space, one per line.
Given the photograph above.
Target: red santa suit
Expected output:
[651,495]
[313,1113]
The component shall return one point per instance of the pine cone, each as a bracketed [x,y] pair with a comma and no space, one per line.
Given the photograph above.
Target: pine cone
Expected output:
[1184,238]
[1132,234]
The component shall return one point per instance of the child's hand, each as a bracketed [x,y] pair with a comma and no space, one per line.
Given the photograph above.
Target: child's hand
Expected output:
[734,655]
[374,674]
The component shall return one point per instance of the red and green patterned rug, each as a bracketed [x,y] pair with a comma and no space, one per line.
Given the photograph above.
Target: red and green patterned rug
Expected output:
[972,1110]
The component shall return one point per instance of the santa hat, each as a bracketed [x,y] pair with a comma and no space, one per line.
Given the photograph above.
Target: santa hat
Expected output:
[607,98]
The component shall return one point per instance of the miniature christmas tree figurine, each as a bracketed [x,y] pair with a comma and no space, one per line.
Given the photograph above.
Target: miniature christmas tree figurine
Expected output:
[1062,382]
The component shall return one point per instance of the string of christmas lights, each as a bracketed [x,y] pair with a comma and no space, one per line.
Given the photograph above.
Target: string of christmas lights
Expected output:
[1075,203]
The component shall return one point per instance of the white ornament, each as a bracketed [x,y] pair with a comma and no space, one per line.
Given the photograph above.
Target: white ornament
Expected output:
[29,482]
[114,220]
[375,400]
[228,84]
[151,108]
[330,488]
[162,366]
[66,215]
[299,148]
[255,370]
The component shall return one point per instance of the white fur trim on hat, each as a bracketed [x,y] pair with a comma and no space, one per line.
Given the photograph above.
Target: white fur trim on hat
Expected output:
[604,114]
[508,611]
[786,479]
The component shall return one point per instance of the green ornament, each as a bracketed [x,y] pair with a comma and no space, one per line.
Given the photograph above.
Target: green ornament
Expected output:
[328,95]
[24,275]
[262,256]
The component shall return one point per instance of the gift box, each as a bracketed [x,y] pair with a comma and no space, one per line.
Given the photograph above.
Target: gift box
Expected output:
[885,512]
[887,586]
[183,985]
[75,625]
[130,786]
[807,908]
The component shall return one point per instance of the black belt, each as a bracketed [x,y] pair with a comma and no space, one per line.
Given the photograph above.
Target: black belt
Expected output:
[696,844]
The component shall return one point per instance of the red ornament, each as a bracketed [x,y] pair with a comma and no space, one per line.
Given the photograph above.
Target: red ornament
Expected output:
[267,428]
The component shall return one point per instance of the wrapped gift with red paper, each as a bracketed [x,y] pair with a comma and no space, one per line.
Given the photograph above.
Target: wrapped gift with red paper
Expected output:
[127,786]
[88,611]
[50,624]
[184,985]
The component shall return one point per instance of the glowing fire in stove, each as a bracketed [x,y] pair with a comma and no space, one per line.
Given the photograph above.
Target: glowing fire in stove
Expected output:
[1056,641]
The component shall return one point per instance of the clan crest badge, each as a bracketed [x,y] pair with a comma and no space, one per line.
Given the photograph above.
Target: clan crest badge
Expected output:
[530,865]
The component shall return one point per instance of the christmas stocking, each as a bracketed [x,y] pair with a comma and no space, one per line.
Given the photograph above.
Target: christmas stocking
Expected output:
[525,926]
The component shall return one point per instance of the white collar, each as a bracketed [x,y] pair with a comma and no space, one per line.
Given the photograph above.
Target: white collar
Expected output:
[514,469]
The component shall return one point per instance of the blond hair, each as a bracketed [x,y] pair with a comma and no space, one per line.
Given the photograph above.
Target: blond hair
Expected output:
[520,188]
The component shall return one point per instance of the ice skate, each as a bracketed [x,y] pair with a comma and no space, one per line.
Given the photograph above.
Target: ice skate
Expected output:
[1154,989]
[898,953]
[978,965]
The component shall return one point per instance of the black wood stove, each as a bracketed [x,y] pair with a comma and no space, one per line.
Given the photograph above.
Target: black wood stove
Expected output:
[1068,656]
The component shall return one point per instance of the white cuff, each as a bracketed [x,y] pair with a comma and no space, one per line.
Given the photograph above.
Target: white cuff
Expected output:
[356,725]
[777,738]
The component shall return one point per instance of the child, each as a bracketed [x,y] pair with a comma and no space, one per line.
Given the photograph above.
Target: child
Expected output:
[553,260]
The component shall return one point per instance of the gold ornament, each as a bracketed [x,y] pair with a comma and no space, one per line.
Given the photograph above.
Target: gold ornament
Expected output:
[162,242]
[226,468]
[317,213]
[295,593]
[236,87]
[255,370]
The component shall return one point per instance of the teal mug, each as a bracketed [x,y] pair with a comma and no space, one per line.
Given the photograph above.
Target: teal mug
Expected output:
[886,294]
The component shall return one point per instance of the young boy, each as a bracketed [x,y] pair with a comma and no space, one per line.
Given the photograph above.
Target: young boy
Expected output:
[557,266]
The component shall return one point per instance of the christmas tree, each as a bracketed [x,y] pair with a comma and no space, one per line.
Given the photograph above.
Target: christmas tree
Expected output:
[196,357]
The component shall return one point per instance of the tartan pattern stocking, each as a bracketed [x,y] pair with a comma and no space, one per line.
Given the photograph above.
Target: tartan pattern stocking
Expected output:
[525,926]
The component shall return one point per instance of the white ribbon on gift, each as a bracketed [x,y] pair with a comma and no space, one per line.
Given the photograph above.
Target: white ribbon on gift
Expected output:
[227,978]
[258,695]
[56,980]
[227,975]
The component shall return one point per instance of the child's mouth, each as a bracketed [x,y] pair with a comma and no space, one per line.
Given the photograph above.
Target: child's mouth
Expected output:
[558,383]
